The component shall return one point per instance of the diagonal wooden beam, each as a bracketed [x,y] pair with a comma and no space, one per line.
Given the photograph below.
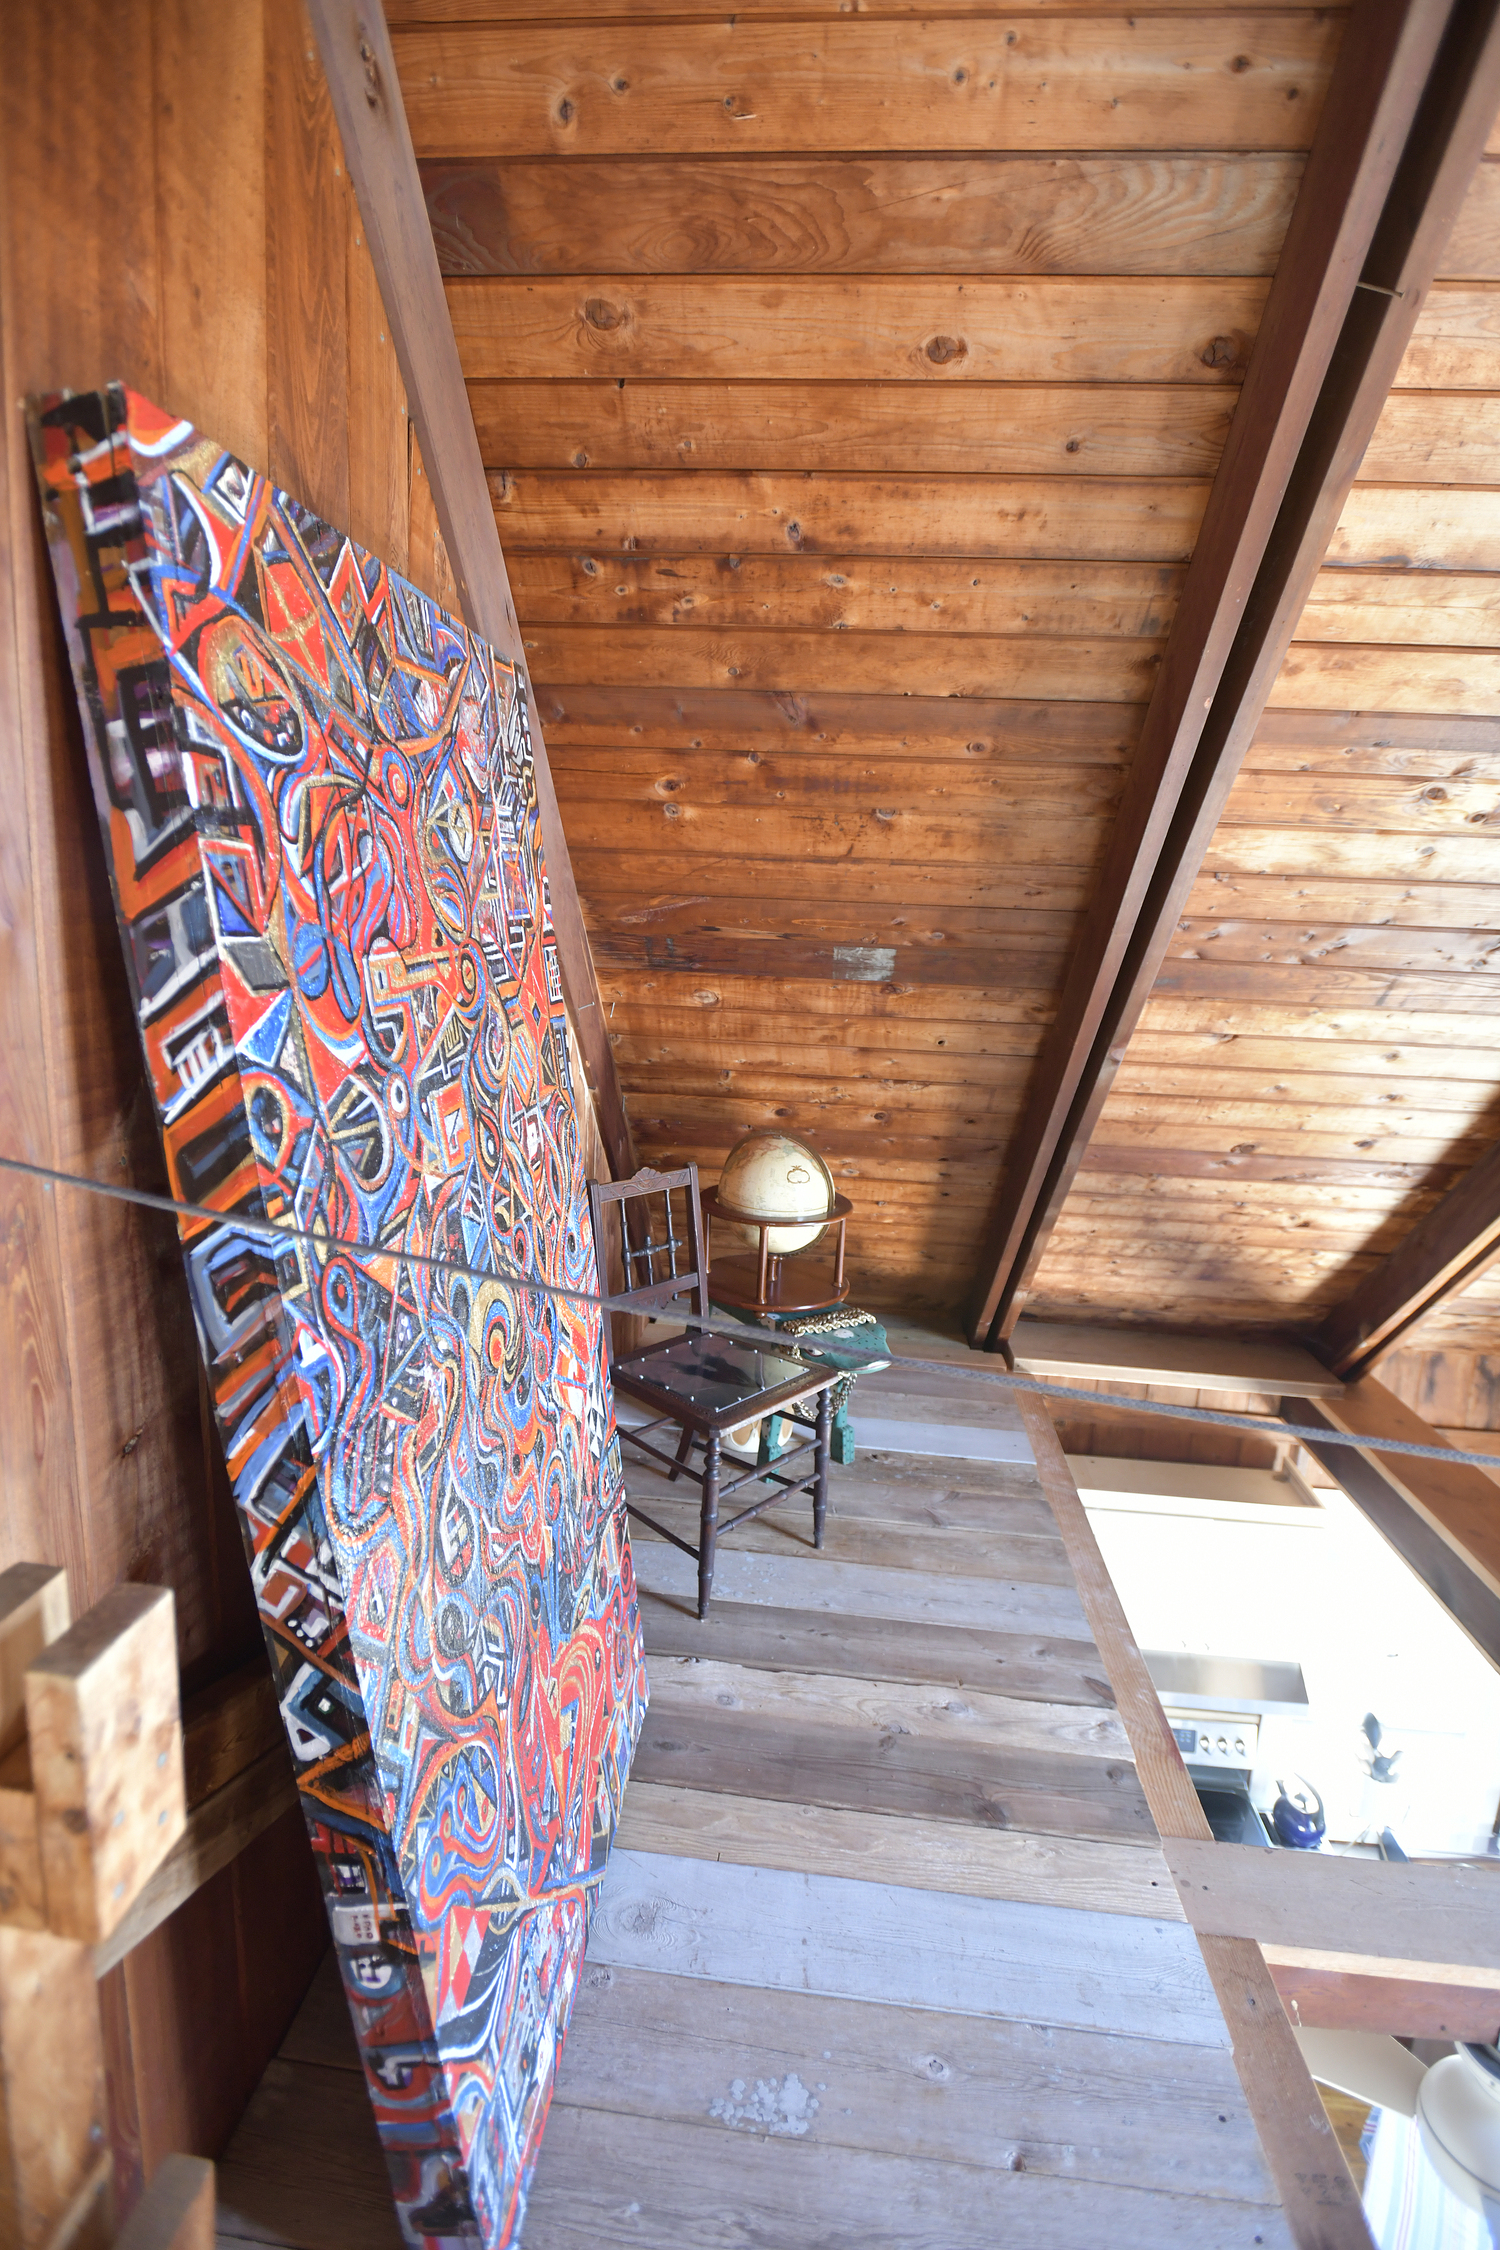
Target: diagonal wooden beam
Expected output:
[361,72]
[1452,1246]
[1413,95]
[1442,1517]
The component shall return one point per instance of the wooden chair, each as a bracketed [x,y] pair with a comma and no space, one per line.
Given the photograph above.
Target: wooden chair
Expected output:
[705,1385]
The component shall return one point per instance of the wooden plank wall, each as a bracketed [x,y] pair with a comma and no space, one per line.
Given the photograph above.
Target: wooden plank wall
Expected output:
[1318,1060]
[176,214]
[850,384]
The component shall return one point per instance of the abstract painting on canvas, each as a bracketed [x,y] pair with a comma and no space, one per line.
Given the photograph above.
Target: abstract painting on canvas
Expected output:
[320,816]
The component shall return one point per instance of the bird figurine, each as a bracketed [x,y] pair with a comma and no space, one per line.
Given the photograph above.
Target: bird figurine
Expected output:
[1379,1768]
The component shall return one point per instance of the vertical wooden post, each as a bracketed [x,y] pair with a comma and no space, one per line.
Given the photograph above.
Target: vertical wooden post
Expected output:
[51,2083]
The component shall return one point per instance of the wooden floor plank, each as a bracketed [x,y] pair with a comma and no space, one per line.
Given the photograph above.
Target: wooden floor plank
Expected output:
[603,2178]
[858,1590]
[1088,1872]
[779,1756]
[877,1706]
[1054,1669]
[956,1550]
[304,2167]
[908,1947]
[854,2074]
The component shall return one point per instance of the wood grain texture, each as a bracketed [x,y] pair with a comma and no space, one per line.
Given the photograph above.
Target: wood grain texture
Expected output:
[1449,1247]
[821,1933]
[834,662]
[364,94]
[1225,82]
[891,215]
[981,429]
[104,1736]
[51,2082]
[1322,1902]
[1307,415]
[306,279]
[649,2047]
[1337,1992]
[686,510]
[1063,1670]
[601,2172]
[882,328]
[1048,1870]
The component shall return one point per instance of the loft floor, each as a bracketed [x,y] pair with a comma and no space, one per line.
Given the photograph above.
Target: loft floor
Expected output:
[888,1953]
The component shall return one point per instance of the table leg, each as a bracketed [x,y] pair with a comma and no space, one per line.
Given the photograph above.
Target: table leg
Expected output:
[820,1461]
[683,1450]
[709,1522]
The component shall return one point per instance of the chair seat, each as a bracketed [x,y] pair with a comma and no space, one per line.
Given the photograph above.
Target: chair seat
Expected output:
[718,1382]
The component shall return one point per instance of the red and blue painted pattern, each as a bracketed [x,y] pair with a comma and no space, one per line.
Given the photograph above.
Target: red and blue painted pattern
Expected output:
[320,810]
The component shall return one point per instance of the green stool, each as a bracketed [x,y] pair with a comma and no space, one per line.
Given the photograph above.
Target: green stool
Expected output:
[845,1336]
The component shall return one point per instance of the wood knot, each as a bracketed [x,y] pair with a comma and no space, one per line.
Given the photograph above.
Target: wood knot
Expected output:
[565,111]
[941,349]
[1220,351]
[1241,62]
[600,313]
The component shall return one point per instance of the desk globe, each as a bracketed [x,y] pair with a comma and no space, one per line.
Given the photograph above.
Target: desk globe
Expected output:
[775,1195]
[770,1175]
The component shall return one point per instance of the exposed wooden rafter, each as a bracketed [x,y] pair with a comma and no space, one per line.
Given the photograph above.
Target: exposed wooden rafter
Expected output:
[1441,1517]
[1412,98]
[1452,1246]
[366,94]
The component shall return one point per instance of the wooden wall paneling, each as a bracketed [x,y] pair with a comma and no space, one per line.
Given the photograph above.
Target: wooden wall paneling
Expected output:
[1321,2204]
[539,89]
[366,96]
[307,282]
[136,153]
[1406,1999]
[1290,435]
[901,214]
[215,152]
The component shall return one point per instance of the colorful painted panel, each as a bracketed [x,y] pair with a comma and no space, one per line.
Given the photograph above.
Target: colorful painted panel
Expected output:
[320,811]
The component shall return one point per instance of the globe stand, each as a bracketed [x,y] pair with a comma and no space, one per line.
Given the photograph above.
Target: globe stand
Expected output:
[767,1284]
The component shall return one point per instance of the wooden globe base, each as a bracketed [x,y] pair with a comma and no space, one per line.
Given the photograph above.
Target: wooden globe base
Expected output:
[792,1285]
[797,1282]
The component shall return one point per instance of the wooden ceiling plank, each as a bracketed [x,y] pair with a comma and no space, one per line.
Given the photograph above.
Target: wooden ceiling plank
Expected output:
[892,328]
[1066,1350]
[1185,214]
[774,511]
[1111,670]
[1222,81]
[1452,1246]
[903,726]
[366,97]
[1298,436]
[978,429]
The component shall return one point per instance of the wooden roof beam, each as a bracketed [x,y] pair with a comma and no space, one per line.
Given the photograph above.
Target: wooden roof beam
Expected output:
[1441,1517]
[366,93]
[1412,98]
[1453,1245]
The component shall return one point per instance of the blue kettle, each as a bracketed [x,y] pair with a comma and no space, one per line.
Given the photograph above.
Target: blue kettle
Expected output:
[1296,1827]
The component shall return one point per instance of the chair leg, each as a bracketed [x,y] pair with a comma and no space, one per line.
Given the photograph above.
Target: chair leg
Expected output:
[709,1523]
[820,1465]
[683,1450]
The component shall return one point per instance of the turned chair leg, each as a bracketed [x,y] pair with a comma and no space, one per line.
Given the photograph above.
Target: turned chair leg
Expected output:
[709,1523]
[683,1450]
[820,1464]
